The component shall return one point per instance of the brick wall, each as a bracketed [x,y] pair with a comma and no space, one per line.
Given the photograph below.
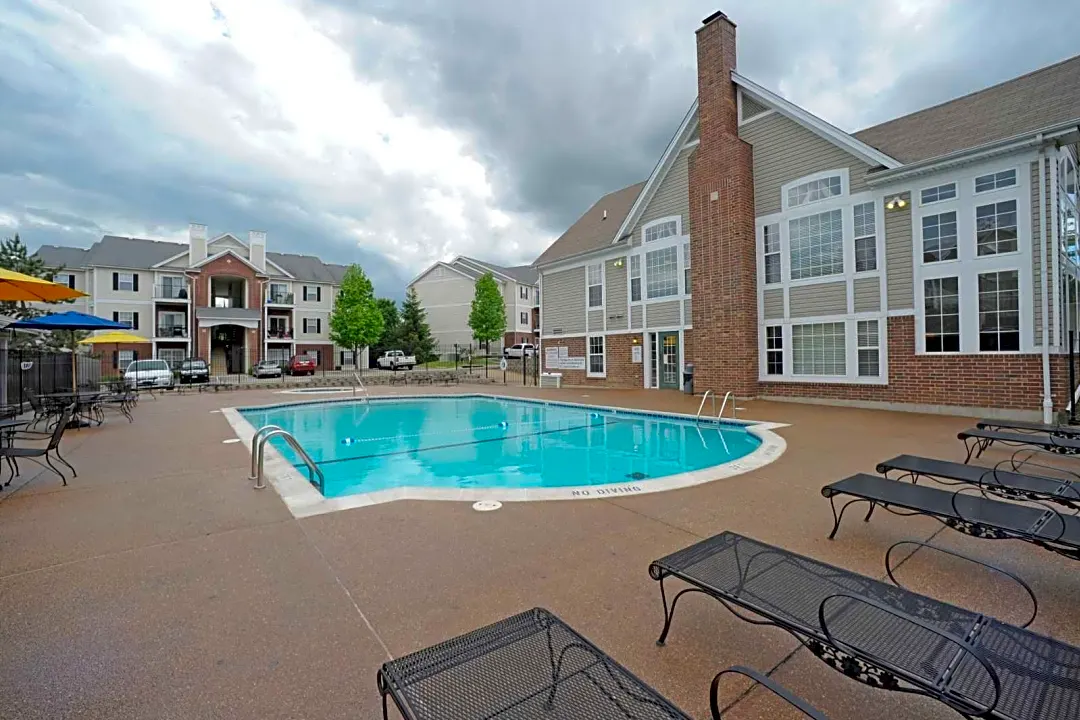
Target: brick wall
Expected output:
[621,370]
[1008,382]
[722,248]
[327,359]
[108,356]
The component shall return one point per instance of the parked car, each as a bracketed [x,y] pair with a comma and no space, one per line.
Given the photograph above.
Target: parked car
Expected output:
[194,370]
[267,368]
[520,350]
[301,365]
[148,374]
[396,360]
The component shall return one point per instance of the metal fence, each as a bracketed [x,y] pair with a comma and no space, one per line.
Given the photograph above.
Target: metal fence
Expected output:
[41,372]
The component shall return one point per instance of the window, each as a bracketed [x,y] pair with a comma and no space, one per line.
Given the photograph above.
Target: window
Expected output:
[65,279]
[312,325]
[772,254]
[635,278]
[774,350]
[173,356]
[171,324]
[125,282]
[817,245]
[315,355]
[662,273]
[995,228]
[995,181]
[124,358]
[661,229]
[941,314]
[523,292]
[347,357]
[999,311]
[866,332]
[818,349]
[865,238]
[173,287]
[278,326]
[686,268]
[596,355]
[313,293]
[938,194]
[814,190]
[594,280]
[523,318]
[127,317]
[939,237]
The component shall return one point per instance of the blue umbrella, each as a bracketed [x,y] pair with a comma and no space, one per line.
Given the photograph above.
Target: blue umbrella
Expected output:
[69,320]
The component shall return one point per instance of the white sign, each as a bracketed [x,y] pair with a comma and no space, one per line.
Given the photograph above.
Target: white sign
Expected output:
[26,364]
[551,356]
[635,353]
[502,364]
[568,363]
[564,352]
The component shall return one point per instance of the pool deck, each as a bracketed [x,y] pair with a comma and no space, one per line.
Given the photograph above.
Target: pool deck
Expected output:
[159,584]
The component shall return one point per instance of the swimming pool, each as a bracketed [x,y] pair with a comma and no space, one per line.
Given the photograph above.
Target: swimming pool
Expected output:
[503,447]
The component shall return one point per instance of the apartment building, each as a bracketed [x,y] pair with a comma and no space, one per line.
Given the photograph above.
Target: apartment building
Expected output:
[446,291]
[926,263]
[224,299]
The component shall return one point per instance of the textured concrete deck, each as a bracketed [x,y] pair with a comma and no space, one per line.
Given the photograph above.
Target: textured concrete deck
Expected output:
[158,584]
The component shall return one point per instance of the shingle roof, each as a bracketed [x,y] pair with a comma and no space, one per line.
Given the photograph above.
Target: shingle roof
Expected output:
[139,253]
[1028,103]
[524,274]
[592,231]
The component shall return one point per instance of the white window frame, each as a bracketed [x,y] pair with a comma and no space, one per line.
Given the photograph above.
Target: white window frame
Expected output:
[130,322]
[645,271]
[589,355]
[179,353]
[677,219]
[523,292]
[639,277]
[684,259]
[939,186]
[851,349]
[66,279]
[860,347]
[765,253]
[920,242]
[994,174]
[843,334]
[773,350]
[121,363]
[314,293]
[844,235]
[1019,315]
[845,190]
[994,204]
[599,268]
[125,278]
[875,206]
[523,318]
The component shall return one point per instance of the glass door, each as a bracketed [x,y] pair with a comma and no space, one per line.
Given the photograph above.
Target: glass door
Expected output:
[669,360]
[654,362]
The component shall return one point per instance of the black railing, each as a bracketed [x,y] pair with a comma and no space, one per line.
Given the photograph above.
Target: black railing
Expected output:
[280,298]
[171,331]
[279,334]
[170,292]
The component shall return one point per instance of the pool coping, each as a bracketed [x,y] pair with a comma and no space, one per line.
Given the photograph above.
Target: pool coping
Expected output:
[304,500]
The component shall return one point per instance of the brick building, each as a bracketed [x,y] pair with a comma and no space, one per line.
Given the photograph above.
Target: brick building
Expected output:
[928,263]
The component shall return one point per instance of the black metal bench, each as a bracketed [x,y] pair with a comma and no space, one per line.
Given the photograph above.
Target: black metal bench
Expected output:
[1008,484]
[977,440]
[880,634]
[532,665]
[974,515]
[1031,427]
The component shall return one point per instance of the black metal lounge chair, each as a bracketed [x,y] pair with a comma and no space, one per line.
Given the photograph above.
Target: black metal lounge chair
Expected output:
[52,449]
[974,515]
[976,441]
[1008,484]
[1031,427]
[121,402]
[883,635]
[532,665]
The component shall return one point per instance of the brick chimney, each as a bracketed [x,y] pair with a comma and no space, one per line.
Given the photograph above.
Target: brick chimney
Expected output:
[722,247]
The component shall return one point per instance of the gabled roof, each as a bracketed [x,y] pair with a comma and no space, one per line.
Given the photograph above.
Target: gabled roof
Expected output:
[524,274]
[1029,103]
[592,231]
[223,253]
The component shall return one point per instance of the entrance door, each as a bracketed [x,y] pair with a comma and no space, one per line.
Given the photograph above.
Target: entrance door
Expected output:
[669,360]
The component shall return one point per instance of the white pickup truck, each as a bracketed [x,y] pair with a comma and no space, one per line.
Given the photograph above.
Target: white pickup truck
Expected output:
[396,360]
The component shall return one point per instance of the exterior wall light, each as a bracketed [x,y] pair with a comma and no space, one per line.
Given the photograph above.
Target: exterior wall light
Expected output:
[896,202]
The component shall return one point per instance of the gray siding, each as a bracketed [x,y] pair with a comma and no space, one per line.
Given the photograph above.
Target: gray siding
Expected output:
[615,294]
[596,320]
[563,302]
[898,249]
[635,317]
[867,294]
[751,106]
[671,198]
[663,314]
[774,304]
[688,312]
[785,151]
[825,299]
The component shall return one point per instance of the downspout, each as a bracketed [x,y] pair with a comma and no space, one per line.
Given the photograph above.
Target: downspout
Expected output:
[1048,401]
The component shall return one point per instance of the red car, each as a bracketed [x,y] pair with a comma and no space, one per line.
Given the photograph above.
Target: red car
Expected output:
[300,365]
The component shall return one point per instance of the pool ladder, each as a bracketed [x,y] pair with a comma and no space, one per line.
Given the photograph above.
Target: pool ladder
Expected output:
[359,384]
[729,396]
[258,453]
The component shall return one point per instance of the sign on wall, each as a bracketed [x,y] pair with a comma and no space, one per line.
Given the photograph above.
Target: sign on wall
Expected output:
[635,353]
[558,358]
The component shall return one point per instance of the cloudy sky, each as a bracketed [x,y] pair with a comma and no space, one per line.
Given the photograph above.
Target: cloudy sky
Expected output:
[394,133]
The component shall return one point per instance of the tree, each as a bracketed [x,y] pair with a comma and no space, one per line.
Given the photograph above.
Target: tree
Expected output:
[388,340]
[414,335]
[15,256]
[356,322]
[487,320]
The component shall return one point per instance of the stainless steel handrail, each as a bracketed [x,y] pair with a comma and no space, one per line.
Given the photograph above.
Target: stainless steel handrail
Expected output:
[360,384]
[702,405]
[258,454]
[728,396]
[254,443]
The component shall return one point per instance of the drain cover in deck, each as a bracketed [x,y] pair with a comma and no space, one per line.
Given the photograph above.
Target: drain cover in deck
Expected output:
[486,505]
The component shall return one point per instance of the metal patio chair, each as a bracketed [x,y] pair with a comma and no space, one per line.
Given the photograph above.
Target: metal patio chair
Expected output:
[38,453]
[882,635]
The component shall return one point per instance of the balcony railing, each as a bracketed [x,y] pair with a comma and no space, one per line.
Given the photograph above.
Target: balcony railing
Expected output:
[280,298]
[170,292]
[171,331]
[275,334]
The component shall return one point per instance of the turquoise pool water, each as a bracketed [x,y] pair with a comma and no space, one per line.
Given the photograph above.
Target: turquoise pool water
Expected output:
[482,442]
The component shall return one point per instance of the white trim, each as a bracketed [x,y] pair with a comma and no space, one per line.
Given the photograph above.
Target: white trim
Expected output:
[935,186]
[656,177]
[692,144]
[590,308]
[229,251]
[588,356]
[434,265]
[812,122]
[739,109]
[677,219]
[845,187]
[851,350]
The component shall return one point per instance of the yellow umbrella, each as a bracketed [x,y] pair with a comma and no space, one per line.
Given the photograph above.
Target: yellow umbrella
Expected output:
[114,337]
[16,287]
